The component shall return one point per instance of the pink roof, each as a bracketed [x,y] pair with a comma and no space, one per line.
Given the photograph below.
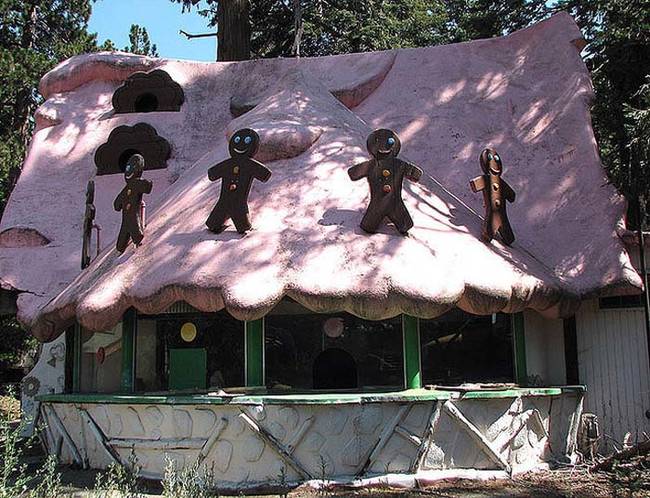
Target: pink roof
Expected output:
[526,95]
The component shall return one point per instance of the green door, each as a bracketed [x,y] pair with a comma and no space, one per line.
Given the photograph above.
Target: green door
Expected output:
[187,369]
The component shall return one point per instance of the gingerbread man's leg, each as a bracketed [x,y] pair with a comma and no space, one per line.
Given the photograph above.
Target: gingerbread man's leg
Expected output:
[217,219]
[488,229]
[137,235]
[373,217]
[242,222]
[85,250]
[122,238]
[401,218]
[505,231]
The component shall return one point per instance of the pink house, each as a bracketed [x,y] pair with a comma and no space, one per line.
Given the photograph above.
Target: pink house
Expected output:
[307,344]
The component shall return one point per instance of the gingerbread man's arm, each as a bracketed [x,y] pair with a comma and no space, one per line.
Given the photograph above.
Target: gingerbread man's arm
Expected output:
[261,172]
[118,203]
[219,169]
[412,172]
[477,183]
[508,193]
[359,171]
[145,186]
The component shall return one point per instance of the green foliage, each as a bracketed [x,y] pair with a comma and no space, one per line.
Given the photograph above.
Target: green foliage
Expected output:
[139,42]
[48,479]
[15,480]
[618,55]
[187,482]
[357,26]
[120,480]
[17,345]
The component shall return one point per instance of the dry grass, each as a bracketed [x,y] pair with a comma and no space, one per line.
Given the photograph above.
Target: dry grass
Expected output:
[9,407]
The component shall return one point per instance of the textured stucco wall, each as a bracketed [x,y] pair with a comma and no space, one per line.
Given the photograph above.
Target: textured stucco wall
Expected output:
[247,445]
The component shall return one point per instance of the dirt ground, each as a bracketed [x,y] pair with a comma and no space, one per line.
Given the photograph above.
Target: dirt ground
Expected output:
[574,483]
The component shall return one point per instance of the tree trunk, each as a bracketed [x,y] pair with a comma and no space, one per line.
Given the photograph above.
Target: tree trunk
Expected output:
[233,31]
[297,28]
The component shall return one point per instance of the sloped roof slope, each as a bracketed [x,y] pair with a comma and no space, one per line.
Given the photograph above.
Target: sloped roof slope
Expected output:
[526,95]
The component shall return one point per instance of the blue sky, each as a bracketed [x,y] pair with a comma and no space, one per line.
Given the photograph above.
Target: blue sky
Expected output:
[162,18]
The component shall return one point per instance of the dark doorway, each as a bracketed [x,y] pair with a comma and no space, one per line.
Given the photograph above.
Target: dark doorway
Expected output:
[335,369]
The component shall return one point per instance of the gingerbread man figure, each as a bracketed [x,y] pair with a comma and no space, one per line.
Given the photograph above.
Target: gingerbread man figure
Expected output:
[496,192]
[237,174]
[129,201]
[89,224]
[385,174]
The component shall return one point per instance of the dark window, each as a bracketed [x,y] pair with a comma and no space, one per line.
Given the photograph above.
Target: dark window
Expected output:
[191,352]
[306,350]
[101,360]
[617,302]
[458,347]
[147,102]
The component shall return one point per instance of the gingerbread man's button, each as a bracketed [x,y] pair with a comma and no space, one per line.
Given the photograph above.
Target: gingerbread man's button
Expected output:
[128,191]
[386,173]
[495,186]
[128,206]
[387,189]
[235,170]
[233,186]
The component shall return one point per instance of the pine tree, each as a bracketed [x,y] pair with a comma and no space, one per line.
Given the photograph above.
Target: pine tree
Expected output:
[139,42]
[34,36]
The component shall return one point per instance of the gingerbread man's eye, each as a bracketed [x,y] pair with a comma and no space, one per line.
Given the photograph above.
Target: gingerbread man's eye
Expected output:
[497,158]
[489,156]
[237,139]
[390,141]
[248,140]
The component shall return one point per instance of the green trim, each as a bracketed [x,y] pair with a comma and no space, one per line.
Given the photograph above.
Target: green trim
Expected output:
[76,358]
[254,352]
[129,331]
[308,398]
[411,348]
[519,347]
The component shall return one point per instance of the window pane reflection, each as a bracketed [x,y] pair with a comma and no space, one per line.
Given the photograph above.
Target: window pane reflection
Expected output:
[458,347]
[330,351]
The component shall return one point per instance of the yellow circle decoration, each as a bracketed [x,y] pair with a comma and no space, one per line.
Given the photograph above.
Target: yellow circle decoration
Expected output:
[188,332]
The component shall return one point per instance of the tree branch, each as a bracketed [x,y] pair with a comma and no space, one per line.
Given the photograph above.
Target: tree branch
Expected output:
[200,35]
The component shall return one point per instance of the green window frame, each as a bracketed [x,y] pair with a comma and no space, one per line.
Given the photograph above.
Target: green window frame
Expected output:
[254,353]
[254,373]
[411,350]
[519,348]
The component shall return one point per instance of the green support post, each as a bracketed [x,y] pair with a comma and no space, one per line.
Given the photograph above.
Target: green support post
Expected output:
[412,363]
[129,330]
[73,355]
[254,352]
[519,345]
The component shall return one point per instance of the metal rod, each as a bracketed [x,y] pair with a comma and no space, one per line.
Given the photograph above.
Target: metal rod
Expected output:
[644,274]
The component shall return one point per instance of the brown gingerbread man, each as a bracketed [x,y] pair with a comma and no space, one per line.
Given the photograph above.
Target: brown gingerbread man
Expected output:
[237,174]
[496,192]
[385,174]
[89,224]
[129,201]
